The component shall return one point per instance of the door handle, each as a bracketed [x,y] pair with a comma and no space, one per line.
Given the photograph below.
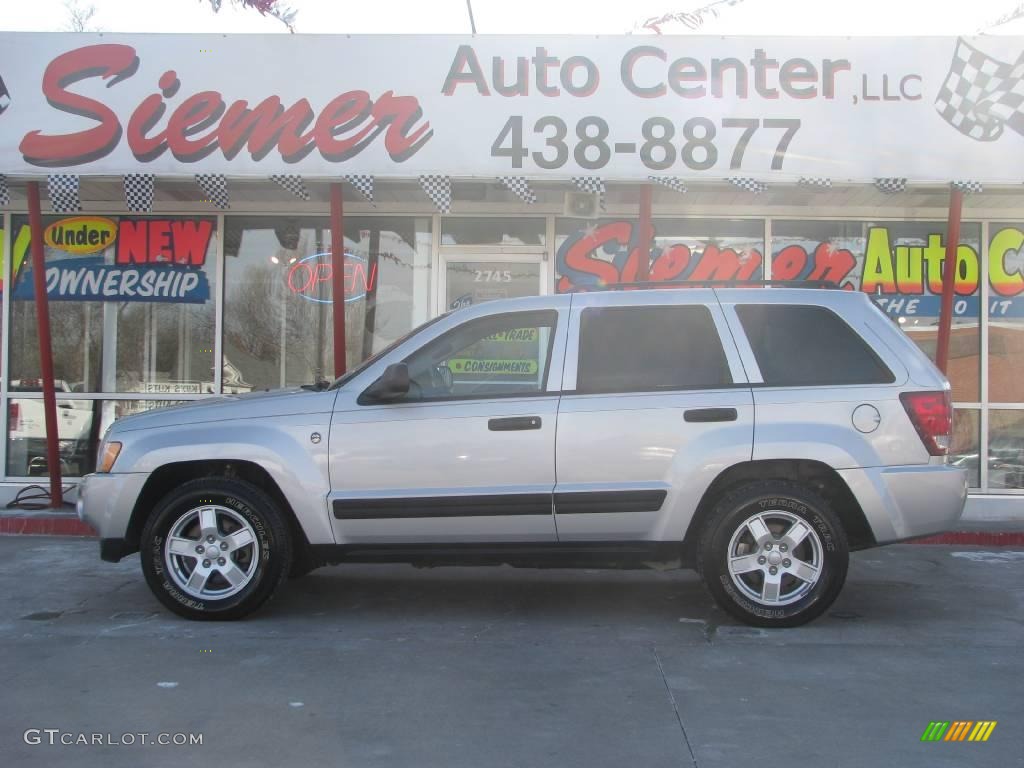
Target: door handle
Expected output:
[514,423]
[710,414]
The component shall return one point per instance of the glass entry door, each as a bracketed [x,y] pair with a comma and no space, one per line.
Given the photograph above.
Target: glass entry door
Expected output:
[472,279]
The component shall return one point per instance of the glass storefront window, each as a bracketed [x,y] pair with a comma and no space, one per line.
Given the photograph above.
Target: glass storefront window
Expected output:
[900,264]
[131,303]
[1005,449]
[481,230]
[1006,313]
[592,253]
[278,304]
[80,427]
[964,450]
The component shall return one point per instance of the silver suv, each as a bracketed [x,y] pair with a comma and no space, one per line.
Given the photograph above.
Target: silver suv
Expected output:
[758,435]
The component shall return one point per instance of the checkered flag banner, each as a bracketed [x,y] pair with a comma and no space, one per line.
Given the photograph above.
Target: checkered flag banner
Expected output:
[138,192]
[439,190]
[592,184]
[520,187]
[5,193]
[363,185]
[293,183]
[890,185]
[982,94]
[215,185]
[672,182]
[63,191]
[814,182]
[749,184]
[969,187]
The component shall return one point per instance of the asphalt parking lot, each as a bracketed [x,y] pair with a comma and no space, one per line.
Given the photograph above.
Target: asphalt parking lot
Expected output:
[393,666]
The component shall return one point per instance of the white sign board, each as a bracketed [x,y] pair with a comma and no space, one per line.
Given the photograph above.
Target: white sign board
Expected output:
[930,109]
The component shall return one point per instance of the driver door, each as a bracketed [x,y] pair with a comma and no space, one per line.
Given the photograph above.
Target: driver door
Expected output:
[469,454]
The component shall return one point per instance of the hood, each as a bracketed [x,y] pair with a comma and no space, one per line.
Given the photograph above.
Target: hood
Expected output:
[277,402]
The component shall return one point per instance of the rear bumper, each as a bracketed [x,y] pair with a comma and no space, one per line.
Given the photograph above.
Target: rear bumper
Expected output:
[908,502]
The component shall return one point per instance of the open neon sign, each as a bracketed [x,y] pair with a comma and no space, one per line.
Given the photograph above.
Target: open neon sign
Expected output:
[307,275]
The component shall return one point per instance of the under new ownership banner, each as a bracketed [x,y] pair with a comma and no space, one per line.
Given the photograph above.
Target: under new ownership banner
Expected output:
[929,109]
[89,279]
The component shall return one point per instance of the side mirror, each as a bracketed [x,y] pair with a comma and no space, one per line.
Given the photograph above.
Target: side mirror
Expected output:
[393,384]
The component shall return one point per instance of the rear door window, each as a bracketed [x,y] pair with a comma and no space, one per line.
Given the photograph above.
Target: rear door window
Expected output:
[648,349]
[806,346]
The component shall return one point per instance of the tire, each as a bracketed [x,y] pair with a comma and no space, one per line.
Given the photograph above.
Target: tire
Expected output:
[248,559]
[771,582]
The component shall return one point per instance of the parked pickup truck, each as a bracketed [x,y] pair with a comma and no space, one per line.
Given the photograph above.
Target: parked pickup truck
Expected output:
[26,430]
[757,435]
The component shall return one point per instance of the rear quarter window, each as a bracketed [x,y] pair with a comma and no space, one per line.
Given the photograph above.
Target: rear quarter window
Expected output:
[806,346]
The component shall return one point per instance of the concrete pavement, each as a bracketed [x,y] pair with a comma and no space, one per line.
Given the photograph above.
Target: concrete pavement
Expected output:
[477,667]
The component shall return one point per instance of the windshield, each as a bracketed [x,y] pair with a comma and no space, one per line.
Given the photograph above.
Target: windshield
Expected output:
[349,375]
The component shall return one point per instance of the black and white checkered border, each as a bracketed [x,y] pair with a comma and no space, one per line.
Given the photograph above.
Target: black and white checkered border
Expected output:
[215,185]
[750,185]
[891,185]
[293,183]
[981,94]
[969,187]
[5,193]
[674,183]
[138,192]
[814,182]
[363,184]
[439,189]
[520,187]
[63,191]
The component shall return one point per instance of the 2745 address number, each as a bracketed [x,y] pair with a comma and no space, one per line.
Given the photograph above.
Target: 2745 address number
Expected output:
[660,149]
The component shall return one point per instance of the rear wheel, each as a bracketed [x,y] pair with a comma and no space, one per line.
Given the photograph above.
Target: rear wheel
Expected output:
[215,549]
[773,554]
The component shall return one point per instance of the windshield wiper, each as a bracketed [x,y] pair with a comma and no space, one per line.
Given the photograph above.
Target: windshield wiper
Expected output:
[319,386]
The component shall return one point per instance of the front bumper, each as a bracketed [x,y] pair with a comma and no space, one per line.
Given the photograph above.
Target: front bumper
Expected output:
[908,502]
[106,502]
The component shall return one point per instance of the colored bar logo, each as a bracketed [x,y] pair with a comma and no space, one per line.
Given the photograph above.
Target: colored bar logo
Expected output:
[959,730]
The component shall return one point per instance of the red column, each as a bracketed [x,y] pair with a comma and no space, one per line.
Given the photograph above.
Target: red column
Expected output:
[646,234]
[956,200]
[338,277]
[35,221]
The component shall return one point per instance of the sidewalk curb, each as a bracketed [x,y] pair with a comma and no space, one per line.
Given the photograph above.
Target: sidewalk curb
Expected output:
[976,538]
[44,525]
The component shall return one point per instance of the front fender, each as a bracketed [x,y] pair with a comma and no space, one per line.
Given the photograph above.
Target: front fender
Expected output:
[281,446]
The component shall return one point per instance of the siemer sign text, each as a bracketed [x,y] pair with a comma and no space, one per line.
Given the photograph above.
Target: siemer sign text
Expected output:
[620,107]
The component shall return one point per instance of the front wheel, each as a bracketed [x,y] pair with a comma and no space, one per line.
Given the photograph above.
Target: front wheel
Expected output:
[773,554]
[215,549]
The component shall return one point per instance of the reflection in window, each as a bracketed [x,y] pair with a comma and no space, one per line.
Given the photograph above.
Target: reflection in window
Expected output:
[900,265]
[503,230]
[131,303]
[1006,449]
[278,310]
[965,446]
[80,427]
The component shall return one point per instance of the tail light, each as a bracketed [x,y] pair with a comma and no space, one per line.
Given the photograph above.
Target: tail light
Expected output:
[13,417]
[932,416]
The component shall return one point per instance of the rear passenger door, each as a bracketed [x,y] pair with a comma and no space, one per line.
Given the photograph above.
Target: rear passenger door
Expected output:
[654,405]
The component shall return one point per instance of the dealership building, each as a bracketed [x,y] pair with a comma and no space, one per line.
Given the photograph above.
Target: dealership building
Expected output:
[193,201]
